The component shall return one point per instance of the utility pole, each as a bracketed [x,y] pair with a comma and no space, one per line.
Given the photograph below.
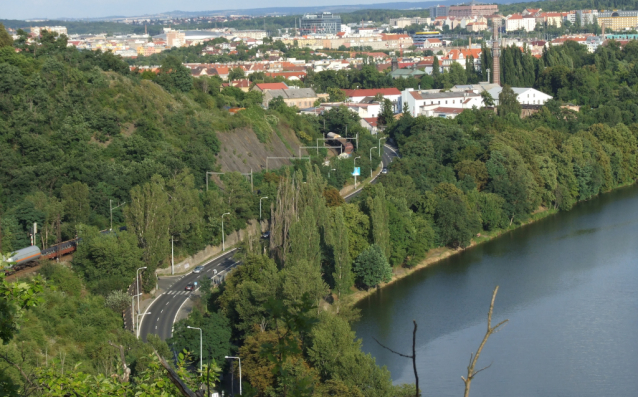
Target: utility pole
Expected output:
[260,206]
[111,211]
[371,160]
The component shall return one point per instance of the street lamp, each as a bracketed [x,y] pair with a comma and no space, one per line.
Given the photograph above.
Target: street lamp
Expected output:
[355,168]
[239,371]
[133,311]
[138,288]
[371,160]
[223,238]
[201,357]
[260,206]
[380,145]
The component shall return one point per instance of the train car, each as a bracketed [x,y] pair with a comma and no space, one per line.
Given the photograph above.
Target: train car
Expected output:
[60,250]
[336,138]
[25,255]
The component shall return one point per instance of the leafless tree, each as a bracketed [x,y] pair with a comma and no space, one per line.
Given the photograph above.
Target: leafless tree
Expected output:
[471,372]
[413,357]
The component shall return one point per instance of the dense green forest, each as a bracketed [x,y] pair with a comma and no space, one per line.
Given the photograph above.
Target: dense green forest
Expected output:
[78,129]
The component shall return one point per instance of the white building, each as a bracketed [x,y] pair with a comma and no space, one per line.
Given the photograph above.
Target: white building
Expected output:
[60,30]
[423,102]
[519,22]
[393,94]
[524,95]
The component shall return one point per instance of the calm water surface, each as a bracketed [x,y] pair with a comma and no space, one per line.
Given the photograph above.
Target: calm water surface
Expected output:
[569,287]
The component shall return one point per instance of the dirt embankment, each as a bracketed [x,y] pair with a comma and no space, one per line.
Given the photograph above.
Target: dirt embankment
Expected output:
[241,150]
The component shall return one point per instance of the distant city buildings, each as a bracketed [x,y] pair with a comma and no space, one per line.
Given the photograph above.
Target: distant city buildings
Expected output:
[324,23]
[60,30]
[472,9]
[439,11]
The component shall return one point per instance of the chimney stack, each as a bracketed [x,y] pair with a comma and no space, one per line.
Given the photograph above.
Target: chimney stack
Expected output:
[496,52]
[469,45]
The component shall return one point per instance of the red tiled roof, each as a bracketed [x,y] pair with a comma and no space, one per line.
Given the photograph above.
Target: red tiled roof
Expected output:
[372,92]
[516,16]
[442,109]
[371,120]
[272,86]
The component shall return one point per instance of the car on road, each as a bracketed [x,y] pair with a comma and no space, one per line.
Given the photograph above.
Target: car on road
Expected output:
[384,170]
[266,235]
[189,287]
[198,269]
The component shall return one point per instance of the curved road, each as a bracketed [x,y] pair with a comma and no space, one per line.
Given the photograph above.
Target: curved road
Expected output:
[389,153]
[163,311]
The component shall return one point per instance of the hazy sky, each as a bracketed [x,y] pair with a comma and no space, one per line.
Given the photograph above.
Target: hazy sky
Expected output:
[51,9]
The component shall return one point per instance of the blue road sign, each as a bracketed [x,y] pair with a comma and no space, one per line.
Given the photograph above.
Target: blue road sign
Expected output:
[357,171]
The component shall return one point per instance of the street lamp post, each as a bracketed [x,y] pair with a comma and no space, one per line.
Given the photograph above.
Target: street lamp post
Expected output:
[239,371]
[260,206]
[138,288]
[201,357]
[133,311]
[355,168]
[223,238]
[380,145]
[371,160]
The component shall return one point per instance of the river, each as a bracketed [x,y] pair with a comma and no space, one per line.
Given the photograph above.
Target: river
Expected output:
[569,287]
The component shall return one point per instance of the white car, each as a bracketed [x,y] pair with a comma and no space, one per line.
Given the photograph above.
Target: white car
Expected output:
[198,269]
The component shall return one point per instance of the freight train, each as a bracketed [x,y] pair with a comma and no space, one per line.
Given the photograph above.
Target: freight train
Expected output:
[29,256]
[343,142]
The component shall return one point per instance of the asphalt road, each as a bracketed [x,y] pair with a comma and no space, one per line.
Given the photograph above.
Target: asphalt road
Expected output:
[161,314]
[389,154]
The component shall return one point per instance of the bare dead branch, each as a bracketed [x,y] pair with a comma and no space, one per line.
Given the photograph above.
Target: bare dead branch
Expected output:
[177,381]
[412,357]
[471,373]
[385,347]
[126,371]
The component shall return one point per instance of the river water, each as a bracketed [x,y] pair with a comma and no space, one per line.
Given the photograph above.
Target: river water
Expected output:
[569,287]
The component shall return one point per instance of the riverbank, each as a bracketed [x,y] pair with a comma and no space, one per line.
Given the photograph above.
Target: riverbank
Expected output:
[437,254]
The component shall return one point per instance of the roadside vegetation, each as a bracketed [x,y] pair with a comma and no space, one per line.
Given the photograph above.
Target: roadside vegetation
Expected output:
[78,129]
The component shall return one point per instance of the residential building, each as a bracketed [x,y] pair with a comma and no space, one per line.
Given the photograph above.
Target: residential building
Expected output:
[175,39]
[60,30]
[263,87]
[400,23]
[243,84]
[299,97]
[519,22]
[371,124]
[251,34]
[407,73]
[419,38]
[524,95]
[393,94]
[618,20]
[443,112]
[587,17]
[421,102]
[325,23]
[476,26]
[469,10]
[439,11]
[549,19]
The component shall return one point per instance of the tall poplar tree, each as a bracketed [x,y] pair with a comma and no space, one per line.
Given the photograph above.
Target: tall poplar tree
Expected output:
[342,274]
[148,217]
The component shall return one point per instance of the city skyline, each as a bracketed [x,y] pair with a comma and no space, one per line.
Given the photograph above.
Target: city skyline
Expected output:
[68,9]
